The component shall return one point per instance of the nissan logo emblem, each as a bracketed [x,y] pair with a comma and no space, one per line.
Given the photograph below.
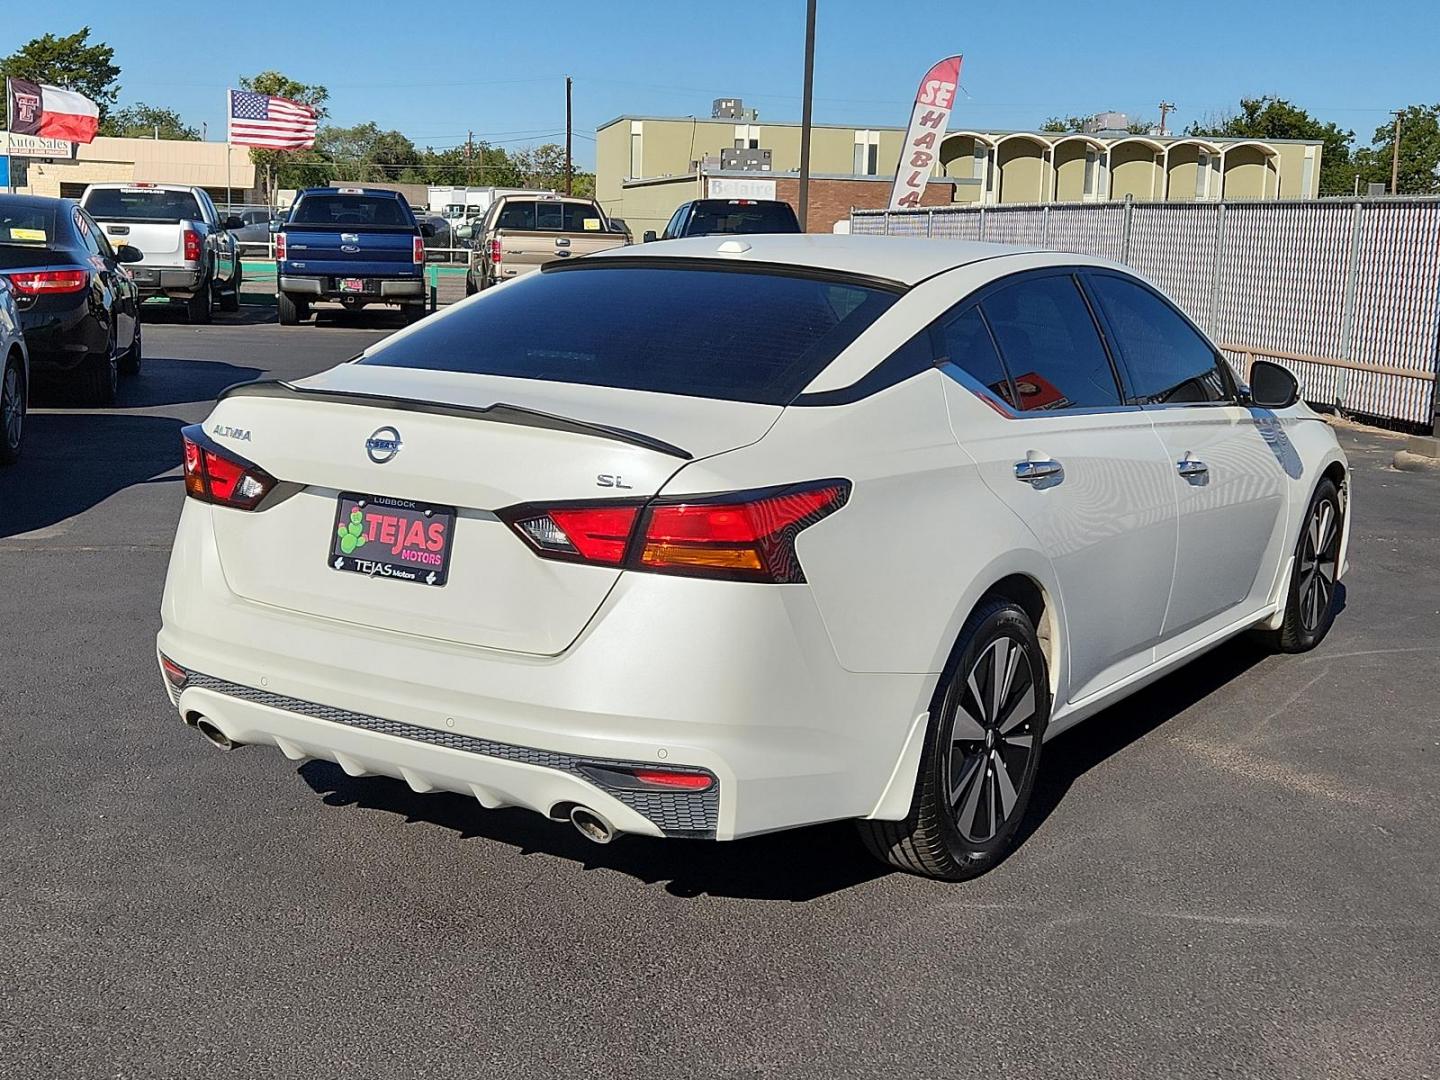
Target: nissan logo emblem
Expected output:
[383,445]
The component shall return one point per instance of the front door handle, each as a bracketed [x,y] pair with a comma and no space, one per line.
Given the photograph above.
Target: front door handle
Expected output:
[1188,466]
[1039,471]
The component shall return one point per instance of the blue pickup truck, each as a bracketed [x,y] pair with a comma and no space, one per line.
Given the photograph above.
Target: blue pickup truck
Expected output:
[354,245]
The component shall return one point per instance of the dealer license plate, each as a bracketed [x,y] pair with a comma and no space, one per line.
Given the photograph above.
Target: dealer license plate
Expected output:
[392,538]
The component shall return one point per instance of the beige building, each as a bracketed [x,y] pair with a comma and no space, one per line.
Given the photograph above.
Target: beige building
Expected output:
[64,169]
[645,166]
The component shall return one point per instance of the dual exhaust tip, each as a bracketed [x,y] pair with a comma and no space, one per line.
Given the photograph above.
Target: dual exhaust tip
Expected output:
[586,821]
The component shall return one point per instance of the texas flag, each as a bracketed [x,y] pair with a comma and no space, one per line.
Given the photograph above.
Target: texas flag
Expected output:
[50,112]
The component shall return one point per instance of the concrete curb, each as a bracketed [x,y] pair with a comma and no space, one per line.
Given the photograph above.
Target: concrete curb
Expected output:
[1421,454]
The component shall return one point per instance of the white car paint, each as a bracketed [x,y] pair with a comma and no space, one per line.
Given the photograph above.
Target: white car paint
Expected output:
[806,702]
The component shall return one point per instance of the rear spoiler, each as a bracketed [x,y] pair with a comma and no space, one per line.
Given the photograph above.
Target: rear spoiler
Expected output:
[500,412]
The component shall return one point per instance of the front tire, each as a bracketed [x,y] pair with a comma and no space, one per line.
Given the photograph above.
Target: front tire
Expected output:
[981,756]
[12,411]
[1310,605]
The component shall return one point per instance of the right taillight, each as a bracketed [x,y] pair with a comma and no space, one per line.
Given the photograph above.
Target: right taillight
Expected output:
[742,536]
[280,246]
[214,475]
[495,252]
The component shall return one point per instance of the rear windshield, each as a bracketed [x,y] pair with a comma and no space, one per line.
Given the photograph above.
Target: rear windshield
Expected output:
[26,226]
[711,218]
[142,204]
[723,333]
[549,217]
[350,211]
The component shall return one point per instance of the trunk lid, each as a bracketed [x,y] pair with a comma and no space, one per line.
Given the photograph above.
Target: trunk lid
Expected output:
[473,442]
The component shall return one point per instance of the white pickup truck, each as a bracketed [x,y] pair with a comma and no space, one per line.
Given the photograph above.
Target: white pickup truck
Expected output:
[190,256]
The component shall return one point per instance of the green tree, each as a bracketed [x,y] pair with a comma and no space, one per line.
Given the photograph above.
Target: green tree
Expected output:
[1419,152]
[544,167]
[1065,123]
[142,121]
[1275,118]
[286,168]
[71,62]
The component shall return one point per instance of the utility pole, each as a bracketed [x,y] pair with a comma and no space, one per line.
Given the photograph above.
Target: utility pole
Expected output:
[569,135]
[469,154]
[1166,108]
[1395,156]
[805,116]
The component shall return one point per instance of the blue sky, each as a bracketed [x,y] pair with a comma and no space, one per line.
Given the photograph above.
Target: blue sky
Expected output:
[498,68]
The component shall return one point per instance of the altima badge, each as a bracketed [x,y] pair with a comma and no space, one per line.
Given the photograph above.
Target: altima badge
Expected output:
[383,445]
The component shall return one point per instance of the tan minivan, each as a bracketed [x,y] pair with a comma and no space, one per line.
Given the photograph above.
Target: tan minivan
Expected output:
[523,232]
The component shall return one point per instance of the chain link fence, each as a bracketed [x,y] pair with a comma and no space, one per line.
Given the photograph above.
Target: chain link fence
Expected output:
[1344,293]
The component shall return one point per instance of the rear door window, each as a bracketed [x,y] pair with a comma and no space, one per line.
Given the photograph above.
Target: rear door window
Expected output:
[716,333]
[1050,344]
[1166,360]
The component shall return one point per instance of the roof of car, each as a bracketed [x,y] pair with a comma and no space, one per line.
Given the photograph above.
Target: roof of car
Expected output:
[349,190]
[893,258]
[46,201]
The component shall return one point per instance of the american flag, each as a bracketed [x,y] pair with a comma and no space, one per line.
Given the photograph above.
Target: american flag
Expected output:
[274,123]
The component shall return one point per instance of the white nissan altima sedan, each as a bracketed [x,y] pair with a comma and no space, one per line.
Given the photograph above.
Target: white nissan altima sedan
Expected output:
[723,536]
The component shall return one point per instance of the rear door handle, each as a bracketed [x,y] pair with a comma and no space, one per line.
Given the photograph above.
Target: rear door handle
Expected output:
[1188,466]
[1033,471]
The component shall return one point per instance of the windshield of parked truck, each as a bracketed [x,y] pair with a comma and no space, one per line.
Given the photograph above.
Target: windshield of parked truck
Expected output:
[350,212]
[142,204]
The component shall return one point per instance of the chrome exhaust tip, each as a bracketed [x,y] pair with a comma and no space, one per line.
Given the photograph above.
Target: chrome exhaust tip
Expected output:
[213,735]
[591,825]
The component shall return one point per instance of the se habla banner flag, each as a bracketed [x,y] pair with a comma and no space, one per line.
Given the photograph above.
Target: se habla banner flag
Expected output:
[49,112]
[928,121]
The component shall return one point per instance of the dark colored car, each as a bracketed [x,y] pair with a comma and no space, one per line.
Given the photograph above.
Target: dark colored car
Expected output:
[356,245]
[79,308]
[712,217]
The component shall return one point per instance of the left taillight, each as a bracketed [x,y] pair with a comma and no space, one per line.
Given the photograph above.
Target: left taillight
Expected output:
[740,536]
[49,282]
[215,475]
[417,250]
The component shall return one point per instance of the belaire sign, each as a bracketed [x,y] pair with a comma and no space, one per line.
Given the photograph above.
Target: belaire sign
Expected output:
[17,145]
[928,121]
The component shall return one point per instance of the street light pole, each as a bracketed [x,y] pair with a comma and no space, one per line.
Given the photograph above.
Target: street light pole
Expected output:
[805,116]
[1395,156]
[569,134]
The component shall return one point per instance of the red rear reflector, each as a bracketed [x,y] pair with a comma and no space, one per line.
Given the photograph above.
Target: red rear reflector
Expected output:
[46,282]
[214,476]
[669,778]
[417,249]
[192,245]
[747,536]
[174,674]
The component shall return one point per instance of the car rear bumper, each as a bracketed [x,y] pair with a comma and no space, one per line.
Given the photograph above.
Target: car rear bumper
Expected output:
[177,282]
[326,287]
[736,679]
[60,332]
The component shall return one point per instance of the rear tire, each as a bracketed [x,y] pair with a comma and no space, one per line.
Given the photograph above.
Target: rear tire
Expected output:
[981,756]
[134,356]
[291,311]
[230,299]
[414,313]
[12,410]
[1310,604]
[98,378]
[470,287]
[200,308]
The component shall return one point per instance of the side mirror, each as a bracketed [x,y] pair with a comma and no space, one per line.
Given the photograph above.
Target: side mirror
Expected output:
[464,232]
[650,236]
[233,222]
[128,254]
[277,225]
[1272,386]
[426,229]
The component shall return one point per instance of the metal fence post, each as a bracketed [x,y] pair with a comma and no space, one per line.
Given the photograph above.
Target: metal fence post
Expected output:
[1129,210]
[929,223]
[1347,319]
[1215,270]
[1045,225]
[980,231]
[887,222]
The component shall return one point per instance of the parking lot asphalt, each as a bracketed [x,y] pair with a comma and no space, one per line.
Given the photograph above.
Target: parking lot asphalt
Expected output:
[1235,873]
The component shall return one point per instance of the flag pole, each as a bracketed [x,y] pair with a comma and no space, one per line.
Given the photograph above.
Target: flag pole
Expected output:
[9,144]
[229,198]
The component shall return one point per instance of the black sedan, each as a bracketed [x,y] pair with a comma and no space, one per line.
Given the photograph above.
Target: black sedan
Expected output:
[79,309]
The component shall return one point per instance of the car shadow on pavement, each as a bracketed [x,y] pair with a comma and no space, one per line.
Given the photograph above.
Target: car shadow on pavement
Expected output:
[174,315]
[160,382]
[794,866]
[72,461]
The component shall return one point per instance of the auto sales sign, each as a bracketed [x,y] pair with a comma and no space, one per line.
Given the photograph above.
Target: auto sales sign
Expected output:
[928,120]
